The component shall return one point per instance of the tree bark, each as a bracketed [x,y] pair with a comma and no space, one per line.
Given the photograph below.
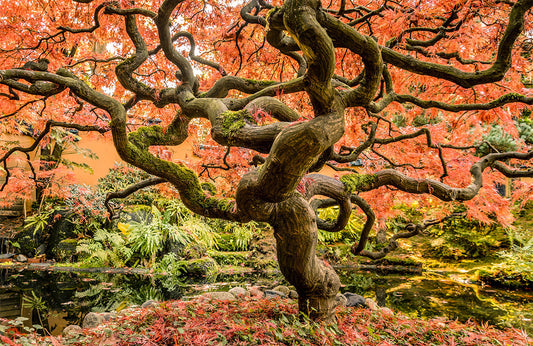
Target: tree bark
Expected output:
[317,284]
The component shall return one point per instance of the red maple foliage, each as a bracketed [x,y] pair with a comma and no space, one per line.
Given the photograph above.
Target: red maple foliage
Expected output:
[430,98]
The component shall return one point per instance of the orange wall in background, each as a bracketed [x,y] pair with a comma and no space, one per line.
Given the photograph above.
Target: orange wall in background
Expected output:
[107,155]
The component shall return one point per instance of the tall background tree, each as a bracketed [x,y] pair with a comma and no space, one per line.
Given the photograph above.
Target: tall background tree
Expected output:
[427,95]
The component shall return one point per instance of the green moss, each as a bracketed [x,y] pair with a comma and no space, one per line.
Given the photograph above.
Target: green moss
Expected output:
[260,83]
[230,257]
[145,136]
[204,267]
[183,178]
[355,182]
[209,187]
[514,96]
[233,121]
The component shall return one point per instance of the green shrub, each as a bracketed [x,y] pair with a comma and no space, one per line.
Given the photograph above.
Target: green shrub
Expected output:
[515,270]
[120,177]
[350,233]
[105,248]
[459,238]
[498,139]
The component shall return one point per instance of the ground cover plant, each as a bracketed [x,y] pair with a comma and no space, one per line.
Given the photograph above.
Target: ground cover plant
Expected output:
[428,98]
[212,322]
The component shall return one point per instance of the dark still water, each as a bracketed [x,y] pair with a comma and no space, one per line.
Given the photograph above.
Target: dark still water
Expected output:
[62,298]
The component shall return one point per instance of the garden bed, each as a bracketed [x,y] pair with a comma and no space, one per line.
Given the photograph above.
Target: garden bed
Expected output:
[250,321]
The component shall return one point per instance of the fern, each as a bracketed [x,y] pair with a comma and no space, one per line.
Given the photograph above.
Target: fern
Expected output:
[104,249]
[201,233]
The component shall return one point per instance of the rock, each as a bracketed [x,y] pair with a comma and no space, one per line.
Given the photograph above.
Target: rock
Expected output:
[239,292]
[21,258]
[341,299]
[109,316]
[92,320]
[71,331]
[204,267]
[293,294]
[219,295]
[353,299]
[65,251]
[283,289]
[7,255]
[271,294]
[372,305]
[41,250]
[149,304]
[256,292]
[127,311]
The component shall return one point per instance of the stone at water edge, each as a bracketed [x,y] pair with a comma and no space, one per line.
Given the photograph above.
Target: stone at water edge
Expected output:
[293,294]
[108,316]
[92,320]
[270,294]
[341,300]
[21,258]
[239,292]
[149,304]
[372,305]
[283,289]
[353,299]
[219,295]
[256,292]
[71,331]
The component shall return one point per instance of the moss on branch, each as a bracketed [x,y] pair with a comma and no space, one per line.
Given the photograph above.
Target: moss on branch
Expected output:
[354,182]
[233,121]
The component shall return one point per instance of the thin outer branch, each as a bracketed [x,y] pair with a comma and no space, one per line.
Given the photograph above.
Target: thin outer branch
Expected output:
[47,128]
[412,230]
[126,192]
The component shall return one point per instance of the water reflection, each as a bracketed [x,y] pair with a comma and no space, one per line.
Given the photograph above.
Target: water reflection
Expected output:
[428,296]
[68,297]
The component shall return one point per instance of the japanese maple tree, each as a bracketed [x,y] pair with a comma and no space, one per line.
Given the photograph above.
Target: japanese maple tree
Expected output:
[409,89]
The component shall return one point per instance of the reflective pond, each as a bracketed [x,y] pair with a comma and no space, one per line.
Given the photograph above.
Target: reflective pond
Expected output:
[62,298]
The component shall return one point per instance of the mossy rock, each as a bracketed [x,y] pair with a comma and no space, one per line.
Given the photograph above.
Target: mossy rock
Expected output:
[205,268]
[27,243]
[231,258]
[192,251]
[506,279]
[65,251]
[63,228]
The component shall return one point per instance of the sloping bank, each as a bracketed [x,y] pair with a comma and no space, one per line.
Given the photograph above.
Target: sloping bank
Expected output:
[253,317]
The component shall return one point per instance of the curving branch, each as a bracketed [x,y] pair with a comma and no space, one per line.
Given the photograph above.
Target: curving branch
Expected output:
[162,21]
[513,173]
[193,56]
[390,177]
[469,79]
[412,230]
[96,20]
[114,212]
[49,125]
[320,185]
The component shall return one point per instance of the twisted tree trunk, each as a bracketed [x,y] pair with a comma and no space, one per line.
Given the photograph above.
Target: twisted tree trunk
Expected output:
[296,237]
